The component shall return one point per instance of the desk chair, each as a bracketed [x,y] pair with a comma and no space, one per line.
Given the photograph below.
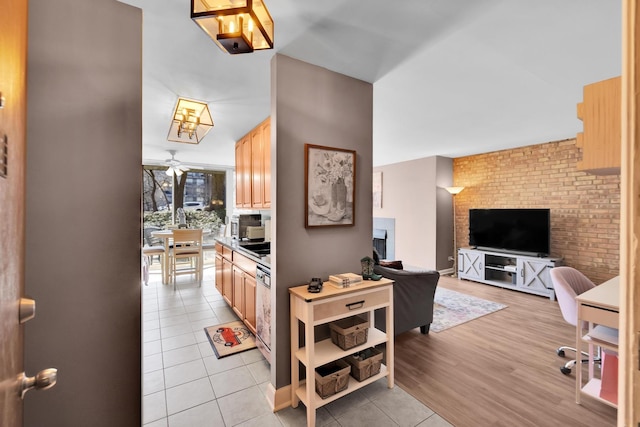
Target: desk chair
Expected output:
[187,245]
[568,283]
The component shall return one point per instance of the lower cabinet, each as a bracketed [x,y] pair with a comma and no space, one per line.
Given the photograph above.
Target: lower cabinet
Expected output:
[227,281]
[219,273]
[514,271]
[244,297]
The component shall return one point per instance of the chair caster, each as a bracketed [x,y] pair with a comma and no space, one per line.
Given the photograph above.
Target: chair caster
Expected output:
[565,370]
[560,353]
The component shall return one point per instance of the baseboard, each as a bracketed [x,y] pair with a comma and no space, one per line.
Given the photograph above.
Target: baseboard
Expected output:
[446,272]
[278,399]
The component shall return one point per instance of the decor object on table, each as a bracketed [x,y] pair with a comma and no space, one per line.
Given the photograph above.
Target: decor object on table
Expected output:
[344,280]
[453,308]
[454,191]
[191,121]
[367,269]
[230,338]
[329,186]
[239,26]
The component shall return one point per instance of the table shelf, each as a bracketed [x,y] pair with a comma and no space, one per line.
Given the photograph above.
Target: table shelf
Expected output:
[330,305]
[354,385]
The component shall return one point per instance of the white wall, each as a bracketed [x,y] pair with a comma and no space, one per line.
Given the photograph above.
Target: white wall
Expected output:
[413,193]
[82,261]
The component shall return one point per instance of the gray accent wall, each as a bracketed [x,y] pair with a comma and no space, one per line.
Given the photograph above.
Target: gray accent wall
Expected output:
[82,261]
[313,105]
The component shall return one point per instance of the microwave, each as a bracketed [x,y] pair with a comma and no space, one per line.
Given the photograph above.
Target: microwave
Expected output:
[239,224]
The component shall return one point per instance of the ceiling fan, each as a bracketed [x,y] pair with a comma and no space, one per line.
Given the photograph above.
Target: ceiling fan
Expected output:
[175,166]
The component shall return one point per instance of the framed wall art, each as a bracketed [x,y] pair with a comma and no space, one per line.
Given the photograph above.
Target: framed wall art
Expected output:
[330,180]
[377,190]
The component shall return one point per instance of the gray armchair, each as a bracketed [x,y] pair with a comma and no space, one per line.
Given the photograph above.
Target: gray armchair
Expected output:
[413,293]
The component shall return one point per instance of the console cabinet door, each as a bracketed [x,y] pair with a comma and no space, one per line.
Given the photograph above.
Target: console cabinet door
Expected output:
[470,264]
[534,275]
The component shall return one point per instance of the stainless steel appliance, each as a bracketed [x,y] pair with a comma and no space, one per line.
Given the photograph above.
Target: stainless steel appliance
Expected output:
[263,311]
[239,224]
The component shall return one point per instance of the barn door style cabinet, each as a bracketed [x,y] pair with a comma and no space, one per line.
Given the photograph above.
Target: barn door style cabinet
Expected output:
[514,271]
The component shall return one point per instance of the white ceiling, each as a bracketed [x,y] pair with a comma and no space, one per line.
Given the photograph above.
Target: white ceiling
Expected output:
[451,77]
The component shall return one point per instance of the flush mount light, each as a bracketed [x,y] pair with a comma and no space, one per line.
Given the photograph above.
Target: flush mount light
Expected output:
[237,26]
[191,121]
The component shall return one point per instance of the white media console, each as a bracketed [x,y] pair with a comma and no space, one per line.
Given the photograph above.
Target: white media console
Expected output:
[525,273]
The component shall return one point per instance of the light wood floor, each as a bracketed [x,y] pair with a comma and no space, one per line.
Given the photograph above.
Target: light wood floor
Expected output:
[500,369]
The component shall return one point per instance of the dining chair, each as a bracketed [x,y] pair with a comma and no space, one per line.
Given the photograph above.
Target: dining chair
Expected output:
[148,252]
[187,246]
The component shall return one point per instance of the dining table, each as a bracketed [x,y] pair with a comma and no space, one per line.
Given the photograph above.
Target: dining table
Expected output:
[167,237]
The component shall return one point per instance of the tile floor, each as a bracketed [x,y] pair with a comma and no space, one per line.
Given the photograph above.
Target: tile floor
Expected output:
[184,384]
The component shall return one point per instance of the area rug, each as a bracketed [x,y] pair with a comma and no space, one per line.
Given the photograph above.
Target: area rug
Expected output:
[453,308]
[230,338]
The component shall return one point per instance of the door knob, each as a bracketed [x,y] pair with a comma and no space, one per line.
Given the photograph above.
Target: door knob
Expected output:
[27,309]
[43,380]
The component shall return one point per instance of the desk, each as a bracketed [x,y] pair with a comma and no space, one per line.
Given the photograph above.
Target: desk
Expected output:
[601,306]
[167,236]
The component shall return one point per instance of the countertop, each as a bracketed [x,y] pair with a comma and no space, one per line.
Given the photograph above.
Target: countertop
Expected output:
[264,260]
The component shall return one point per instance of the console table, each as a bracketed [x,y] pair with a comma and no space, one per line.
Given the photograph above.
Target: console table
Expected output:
[312,309]
[523,273]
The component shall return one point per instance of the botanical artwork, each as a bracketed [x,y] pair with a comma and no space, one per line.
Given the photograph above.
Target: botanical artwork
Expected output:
[377,190]
[330,186]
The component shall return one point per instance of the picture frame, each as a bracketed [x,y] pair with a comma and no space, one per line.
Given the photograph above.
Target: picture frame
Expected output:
[330,186]
[377,190]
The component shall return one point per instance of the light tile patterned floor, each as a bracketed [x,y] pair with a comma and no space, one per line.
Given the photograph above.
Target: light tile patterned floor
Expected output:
[184,384]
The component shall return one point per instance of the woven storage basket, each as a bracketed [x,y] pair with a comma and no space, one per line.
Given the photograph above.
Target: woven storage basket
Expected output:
[332,378]
[349,332]
[365,364]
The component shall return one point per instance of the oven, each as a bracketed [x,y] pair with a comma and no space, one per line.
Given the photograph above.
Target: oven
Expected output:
[263,310]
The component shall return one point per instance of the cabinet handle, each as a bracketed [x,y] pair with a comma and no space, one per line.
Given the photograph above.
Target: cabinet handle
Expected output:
[355,305]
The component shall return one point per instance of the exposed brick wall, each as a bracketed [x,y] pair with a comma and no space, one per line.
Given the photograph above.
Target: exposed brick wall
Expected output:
[585,208]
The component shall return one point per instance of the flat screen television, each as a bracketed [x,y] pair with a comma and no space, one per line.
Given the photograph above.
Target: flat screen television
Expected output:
[511,230]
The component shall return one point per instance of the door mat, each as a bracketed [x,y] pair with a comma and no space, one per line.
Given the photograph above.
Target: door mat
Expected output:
[230,338]
[453,308]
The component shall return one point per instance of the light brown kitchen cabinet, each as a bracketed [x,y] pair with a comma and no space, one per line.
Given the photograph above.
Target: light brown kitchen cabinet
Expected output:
[224,278]
[238,292]
[219,272]
[600,140]
[244,290]
[253,168]
[243,172]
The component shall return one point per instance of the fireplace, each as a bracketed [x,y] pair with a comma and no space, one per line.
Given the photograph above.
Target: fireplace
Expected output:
[384,230]
[380,242]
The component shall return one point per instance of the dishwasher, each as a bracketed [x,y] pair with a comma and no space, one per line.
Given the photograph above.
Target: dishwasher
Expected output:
[263,311]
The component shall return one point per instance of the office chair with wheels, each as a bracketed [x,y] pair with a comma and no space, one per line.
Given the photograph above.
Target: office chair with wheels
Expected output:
[568,283]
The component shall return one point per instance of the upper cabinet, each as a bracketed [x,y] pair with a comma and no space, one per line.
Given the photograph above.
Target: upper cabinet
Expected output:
[600,140]
[253,168]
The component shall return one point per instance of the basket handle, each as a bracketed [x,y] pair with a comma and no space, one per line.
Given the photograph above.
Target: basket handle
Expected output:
[355,305]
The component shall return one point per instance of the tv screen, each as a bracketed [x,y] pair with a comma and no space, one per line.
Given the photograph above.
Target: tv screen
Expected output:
[515,230]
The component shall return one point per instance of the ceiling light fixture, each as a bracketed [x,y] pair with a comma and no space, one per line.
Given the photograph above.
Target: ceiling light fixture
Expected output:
[191,121]
[237,26]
